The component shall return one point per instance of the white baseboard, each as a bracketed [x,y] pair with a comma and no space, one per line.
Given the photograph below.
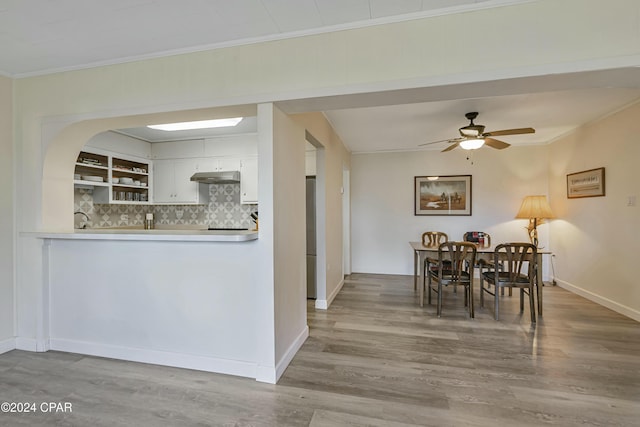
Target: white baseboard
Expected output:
[178,360]
[291,352]
[271,375]
[322,304]
[7,345]
[26,344]
[32,344]
[615,306]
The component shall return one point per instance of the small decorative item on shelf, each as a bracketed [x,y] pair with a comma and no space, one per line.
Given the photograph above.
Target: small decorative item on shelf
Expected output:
[148,222]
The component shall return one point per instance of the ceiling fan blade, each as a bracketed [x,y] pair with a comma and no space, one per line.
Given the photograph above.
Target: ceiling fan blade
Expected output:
[442,140]
[518,131]
[496,143]
[451,147]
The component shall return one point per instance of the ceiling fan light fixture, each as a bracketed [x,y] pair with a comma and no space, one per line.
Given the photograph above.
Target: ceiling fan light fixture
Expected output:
[472,144]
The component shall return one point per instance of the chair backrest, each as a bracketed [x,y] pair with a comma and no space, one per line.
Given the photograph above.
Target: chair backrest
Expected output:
[434,238]
[513,257]
[456,256]
[480,238]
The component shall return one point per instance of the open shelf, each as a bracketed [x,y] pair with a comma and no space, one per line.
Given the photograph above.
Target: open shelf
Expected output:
[107,167]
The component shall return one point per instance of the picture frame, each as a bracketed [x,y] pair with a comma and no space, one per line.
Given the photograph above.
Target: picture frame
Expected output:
[589,183]
[442,195]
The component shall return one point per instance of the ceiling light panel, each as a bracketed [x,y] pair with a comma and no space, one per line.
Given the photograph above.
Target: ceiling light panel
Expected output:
[200,124]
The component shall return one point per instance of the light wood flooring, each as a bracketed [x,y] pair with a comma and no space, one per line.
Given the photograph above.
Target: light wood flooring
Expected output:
[375,358]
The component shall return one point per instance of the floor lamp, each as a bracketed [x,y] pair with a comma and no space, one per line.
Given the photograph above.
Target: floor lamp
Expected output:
[535,209]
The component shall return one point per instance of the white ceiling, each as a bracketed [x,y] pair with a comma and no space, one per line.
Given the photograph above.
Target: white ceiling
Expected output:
[45,36]
[40,36]
[405,127]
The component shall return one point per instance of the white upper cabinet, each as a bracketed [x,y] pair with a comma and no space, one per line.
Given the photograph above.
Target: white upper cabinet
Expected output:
[175,162]
[249,180]
[173,185]
[218,164]
[164,178]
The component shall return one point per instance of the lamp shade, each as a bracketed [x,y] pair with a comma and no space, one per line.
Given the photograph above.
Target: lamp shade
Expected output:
[535,207]
[471,144]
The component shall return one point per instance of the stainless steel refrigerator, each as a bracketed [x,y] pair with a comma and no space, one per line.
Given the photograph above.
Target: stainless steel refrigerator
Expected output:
[311,237]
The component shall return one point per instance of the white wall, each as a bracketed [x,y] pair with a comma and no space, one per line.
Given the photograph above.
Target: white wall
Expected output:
[332,160]
[382,185]
[123,144]
[289,219]
[6,216]
[597,239]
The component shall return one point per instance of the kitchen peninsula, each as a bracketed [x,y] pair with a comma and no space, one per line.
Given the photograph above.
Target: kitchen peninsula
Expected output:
[216,301]
[184,298]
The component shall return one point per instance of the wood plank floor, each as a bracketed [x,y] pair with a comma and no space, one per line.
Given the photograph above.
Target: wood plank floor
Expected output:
[375,358]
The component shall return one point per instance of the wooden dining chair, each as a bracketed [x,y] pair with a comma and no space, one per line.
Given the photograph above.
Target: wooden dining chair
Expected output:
[514,266]
[431,239]
[454,267]
[480,238]
[434,238]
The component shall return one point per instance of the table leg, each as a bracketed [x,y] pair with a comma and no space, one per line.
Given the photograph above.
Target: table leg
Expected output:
[539,283]
[415,270]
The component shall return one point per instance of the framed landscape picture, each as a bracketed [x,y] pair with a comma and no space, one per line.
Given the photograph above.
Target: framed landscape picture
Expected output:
[585,184]
[442,195]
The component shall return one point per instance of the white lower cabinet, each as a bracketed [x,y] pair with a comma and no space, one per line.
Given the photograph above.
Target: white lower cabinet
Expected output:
[249,180]
[172,182]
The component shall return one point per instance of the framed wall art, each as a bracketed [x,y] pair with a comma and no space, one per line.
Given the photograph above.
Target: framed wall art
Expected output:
[589,183]
[442,195]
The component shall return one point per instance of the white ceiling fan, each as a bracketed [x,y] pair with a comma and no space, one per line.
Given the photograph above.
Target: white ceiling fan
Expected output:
[473,136]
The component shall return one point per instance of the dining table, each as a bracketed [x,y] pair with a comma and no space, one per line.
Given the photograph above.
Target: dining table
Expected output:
[421,252]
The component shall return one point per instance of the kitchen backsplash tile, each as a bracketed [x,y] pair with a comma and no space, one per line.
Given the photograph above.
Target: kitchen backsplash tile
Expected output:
[223,210]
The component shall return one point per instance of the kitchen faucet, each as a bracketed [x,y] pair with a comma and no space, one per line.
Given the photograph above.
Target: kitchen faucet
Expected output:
[86,216]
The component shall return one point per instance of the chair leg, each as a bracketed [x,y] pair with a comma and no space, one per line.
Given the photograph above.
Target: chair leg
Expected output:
[466,297]
[496,307]
[481,291]
[532,305]
[471,312]
[521,300]
[439,305]
[429,290]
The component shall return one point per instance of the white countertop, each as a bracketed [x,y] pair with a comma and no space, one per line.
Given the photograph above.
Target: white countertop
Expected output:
[152,235]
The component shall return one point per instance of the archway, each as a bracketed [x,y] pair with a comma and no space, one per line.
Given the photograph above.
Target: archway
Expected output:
[62,148]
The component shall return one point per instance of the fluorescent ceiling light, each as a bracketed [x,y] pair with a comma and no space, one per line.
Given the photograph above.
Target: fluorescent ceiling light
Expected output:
[202,124]
[472,144]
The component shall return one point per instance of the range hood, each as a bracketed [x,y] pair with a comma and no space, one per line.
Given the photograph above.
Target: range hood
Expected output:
[228,177]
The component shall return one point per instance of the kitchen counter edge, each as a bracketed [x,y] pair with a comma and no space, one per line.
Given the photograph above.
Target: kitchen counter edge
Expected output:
[149,235]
